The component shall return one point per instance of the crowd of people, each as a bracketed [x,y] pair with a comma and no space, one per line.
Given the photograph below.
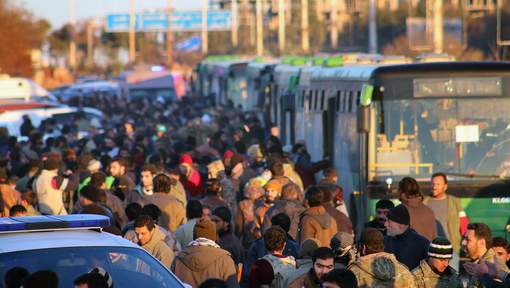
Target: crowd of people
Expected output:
[218,200]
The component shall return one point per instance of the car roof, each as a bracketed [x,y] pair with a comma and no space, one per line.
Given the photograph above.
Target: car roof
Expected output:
[15,242]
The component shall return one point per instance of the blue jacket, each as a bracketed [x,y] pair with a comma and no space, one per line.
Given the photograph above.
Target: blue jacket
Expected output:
[409,247]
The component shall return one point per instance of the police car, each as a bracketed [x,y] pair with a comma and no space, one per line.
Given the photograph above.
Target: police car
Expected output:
[72,245]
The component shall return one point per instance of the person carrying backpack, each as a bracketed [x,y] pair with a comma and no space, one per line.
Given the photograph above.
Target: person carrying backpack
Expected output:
[273,269]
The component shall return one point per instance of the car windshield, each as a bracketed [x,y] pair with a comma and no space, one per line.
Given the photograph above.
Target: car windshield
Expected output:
[126,266]
[464,136]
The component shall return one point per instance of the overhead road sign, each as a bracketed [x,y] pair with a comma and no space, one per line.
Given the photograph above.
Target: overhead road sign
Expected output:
[217,20]
[189,45]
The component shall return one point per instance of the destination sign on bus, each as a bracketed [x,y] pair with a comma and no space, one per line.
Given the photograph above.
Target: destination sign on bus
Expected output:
[458,87]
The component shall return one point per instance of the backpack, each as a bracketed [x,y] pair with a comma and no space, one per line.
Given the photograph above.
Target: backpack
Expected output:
[282,269]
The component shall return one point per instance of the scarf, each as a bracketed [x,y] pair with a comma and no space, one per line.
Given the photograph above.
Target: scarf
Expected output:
[203,242]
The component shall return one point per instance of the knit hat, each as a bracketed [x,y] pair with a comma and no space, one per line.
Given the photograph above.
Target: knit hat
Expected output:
[254,152]
[440,248]
[91,193]
[341,243]
[400,215]
[223,213]
[226,157]
[308,247]
[94,165]
[186,159]
[205,229]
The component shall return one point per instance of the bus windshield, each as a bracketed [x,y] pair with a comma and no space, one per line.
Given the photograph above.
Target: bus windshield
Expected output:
[463,136]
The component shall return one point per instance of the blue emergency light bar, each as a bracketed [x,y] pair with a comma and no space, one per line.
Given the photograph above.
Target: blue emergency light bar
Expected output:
[53,222]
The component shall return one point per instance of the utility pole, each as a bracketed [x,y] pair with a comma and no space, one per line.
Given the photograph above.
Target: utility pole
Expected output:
[281,25]
[204,27]
[305,39]
[132,44]
[72,43]
[260,31]
[372,27]
[438,26]
[235,23]
[334,27]
[169,37]
[90,44]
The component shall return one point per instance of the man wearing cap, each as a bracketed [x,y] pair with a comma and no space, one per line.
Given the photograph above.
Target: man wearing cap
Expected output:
[222,217]
[436,270]
[376,268]
[203,259]
[408,246]
[343,247]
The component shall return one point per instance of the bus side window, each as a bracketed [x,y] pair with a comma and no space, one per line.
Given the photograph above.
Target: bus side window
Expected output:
[316,99]
[323,96]
[346,95]
[358,99]
[349,106]
[302,98]
[338,101]
[310,100]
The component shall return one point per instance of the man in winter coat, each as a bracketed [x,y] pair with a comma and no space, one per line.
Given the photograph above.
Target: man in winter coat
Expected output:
[376,268]
[190,178]
[315,221]
[435,272]
[478,246]
[184,234]
[323,260]
[423,219]
[222,217]
[343,223]
[274,268]
[203,259]
[152,240]
[288,204]
[49,191]
[408,246]
[172,211]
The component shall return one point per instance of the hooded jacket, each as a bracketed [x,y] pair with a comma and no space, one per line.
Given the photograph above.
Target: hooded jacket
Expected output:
[158,248]
[317,223]
[195,264]
[425,277]
[381,270]
[173,213]
[292,208]
[50,197]
[422,217]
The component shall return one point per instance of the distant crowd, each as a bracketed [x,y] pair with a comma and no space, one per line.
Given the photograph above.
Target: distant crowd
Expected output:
[216,198]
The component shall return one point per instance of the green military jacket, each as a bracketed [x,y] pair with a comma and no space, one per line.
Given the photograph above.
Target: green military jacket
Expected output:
[381,270]
[425,277]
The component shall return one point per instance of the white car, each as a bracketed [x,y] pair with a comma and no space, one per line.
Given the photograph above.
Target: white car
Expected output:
[72,245]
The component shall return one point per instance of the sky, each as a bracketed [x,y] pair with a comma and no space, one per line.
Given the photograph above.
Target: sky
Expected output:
[57,11]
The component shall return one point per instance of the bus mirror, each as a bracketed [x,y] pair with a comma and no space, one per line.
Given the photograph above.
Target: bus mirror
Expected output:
[366,94]
[363,119]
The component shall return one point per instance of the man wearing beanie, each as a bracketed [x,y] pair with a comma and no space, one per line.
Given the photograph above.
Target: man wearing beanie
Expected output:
[376,268]
[222,217]
[408,246]
[436,270]
[203,259]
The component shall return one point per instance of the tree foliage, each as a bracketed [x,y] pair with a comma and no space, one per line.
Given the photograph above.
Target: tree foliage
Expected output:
[20,32]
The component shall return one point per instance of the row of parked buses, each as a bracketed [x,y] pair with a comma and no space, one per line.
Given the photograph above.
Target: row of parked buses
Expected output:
[380,119]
